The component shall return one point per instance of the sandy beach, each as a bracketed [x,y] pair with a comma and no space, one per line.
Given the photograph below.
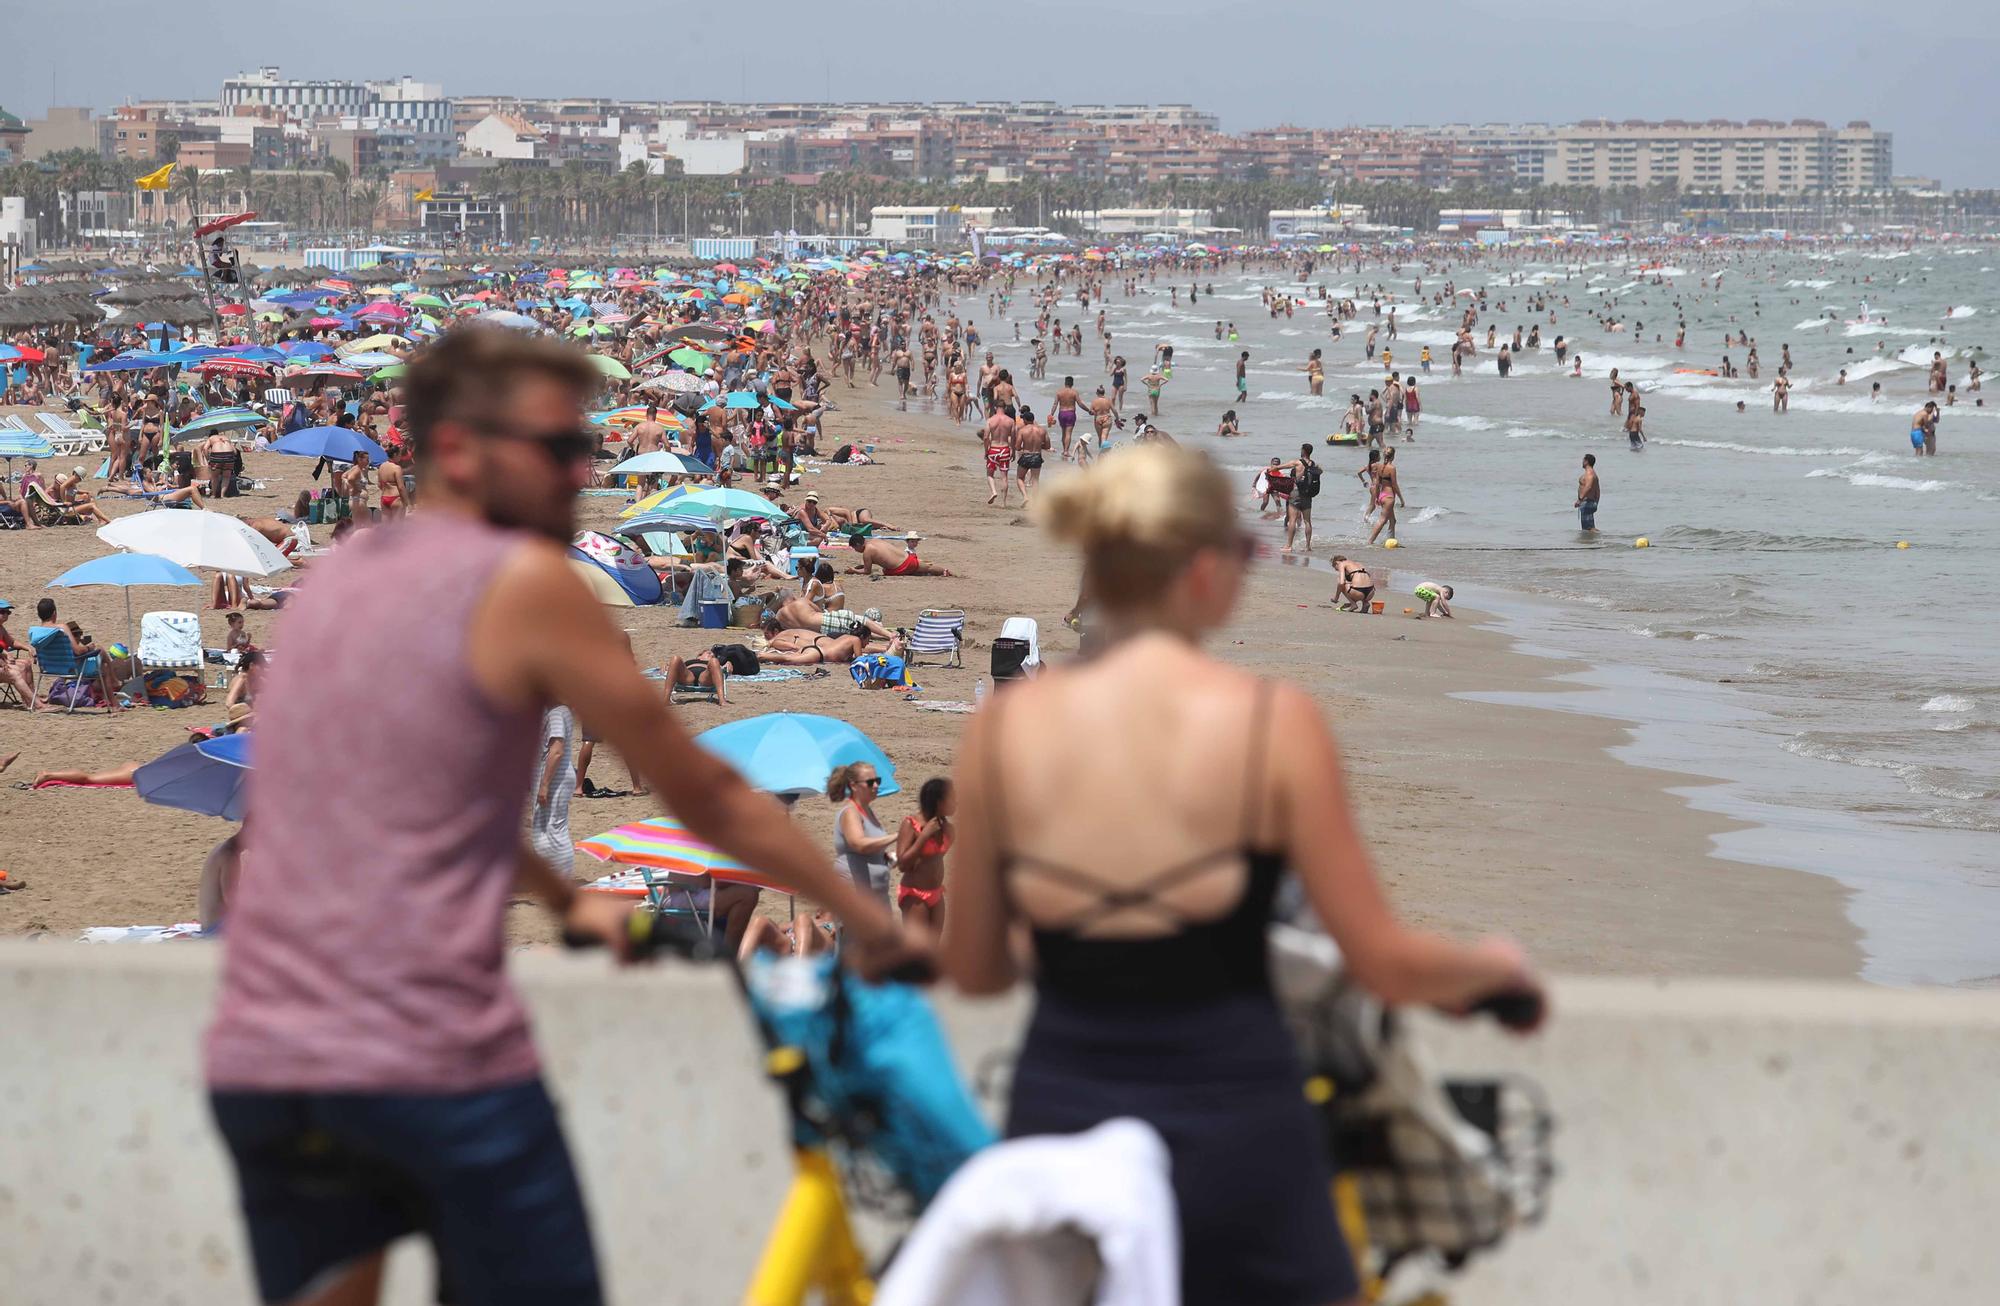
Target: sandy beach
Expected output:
[1482,818]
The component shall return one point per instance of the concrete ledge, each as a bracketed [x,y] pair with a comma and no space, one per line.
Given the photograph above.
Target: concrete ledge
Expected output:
[1718,1142]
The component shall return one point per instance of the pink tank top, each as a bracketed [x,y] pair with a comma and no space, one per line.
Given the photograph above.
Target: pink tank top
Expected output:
[364,943]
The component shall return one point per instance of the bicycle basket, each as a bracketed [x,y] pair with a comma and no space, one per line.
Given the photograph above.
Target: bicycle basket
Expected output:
[878,1087]
[1448,1167]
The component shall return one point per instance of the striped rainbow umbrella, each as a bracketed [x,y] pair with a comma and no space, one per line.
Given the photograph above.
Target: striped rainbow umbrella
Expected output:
[664,844]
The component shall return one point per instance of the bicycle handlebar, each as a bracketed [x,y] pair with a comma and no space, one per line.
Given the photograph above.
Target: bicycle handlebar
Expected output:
[1516,1009]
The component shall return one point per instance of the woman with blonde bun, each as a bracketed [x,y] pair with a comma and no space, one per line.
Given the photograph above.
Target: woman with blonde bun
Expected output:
[1148,892]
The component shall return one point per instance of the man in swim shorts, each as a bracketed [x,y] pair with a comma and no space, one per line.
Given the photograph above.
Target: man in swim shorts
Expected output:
[1067,400]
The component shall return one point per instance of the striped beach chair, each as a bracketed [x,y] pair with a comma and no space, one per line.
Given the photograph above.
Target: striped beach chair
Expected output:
[938,631]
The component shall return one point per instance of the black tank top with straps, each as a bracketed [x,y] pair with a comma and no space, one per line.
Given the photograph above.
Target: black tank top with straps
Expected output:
[1202,958]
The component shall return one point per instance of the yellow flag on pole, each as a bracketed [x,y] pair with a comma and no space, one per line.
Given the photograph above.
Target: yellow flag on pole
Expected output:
[156,179]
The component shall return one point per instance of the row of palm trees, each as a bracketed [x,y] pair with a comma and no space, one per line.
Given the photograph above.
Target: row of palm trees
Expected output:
[576,202]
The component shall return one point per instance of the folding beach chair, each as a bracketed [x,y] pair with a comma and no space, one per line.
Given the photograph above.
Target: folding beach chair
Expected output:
[48,511]
[171,641]
[59,664]
[938,630]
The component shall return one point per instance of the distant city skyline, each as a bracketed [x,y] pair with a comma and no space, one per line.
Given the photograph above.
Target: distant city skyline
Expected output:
[1899,68]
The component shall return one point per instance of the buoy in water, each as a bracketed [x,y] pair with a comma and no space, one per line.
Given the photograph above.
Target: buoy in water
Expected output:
[1642,543]
[1390,543]
[1902,544]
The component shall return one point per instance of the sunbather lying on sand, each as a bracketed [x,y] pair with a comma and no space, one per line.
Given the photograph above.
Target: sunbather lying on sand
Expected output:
[893,558]
[805,648]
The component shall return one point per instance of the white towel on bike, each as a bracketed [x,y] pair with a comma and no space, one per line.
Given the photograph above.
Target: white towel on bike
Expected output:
[1053,1221]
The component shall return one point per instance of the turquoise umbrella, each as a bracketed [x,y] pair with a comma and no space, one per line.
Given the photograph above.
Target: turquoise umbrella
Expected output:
[722,504]
[794,752]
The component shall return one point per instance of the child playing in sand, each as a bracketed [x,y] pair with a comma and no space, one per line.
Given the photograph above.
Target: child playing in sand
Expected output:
[1435,597]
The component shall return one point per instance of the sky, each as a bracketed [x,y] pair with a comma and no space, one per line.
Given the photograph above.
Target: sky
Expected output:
[1923,72]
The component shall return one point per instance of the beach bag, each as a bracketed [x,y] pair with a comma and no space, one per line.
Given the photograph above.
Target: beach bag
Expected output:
[1009,656]
[171,689]
[876,670]
[73,693]
[879,1085]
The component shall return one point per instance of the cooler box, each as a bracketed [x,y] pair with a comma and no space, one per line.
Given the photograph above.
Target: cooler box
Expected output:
[714,615]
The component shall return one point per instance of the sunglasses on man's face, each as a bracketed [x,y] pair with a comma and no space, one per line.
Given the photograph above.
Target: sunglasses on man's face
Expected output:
[559,447]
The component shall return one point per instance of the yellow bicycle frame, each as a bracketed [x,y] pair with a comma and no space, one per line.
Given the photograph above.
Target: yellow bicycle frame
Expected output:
[812,1245]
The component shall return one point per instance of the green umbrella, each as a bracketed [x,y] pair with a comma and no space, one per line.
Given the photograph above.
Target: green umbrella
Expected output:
[389,373]
[426,301]
[592,329]
[692,359]
[611,367]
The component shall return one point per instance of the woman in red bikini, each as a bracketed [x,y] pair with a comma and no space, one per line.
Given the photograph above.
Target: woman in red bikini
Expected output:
[921,843]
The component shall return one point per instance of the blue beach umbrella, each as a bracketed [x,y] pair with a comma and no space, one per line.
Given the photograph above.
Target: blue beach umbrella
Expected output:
[206,776]
[123,571]
[335,442]
[794,752]
[661,462]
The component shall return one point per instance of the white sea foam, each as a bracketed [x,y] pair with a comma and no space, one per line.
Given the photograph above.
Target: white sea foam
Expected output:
[1961,311]
[1815,285]
[1868,367]
[1878,329]
[1875,480]
[1813,322]
[1769,450]
[1464,421]
[1947,703]
[1428,513]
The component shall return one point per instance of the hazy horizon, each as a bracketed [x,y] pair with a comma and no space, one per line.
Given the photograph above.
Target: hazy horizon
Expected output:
[1904,70]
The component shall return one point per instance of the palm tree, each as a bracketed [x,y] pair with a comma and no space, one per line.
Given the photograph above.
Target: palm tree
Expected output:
[341,175]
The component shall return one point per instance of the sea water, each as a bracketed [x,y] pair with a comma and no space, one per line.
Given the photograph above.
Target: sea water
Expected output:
[1772,636]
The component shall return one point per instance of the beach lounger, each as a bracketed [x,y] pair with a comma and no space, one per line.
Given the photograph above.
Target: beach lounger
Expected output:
[69,440]
[938,631]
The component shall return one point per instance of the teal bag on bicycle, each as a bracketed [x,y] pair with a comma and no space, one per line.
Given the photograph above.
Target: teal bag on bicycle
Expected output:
[878,1079]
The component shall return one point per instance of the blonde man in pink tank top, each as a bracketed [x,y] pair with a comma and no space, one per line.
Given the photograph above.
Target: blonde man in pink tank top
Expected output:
[370,1067]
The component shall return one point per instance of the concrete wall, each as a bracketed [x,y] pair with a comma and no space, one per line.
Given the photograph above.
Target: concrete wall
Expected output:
[1719,1143]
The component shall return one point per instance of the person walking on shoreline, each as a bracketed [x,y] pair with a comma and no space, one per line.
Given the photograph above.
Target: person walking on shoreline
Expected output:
[1388,495]
[1588,491]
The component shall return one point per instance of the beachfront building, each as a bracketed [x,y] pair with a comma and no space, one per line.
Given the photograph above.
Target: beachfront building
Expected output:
[1133,222]
[1290,224]
[17,233]
[13,138]
[64,129]
[464,216]
[921,224]
[506,136]
[1761,155]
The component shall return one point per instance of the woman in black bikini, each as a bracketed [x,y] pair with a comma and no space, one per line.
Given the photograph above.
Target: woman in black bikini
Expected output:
[1148,893]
